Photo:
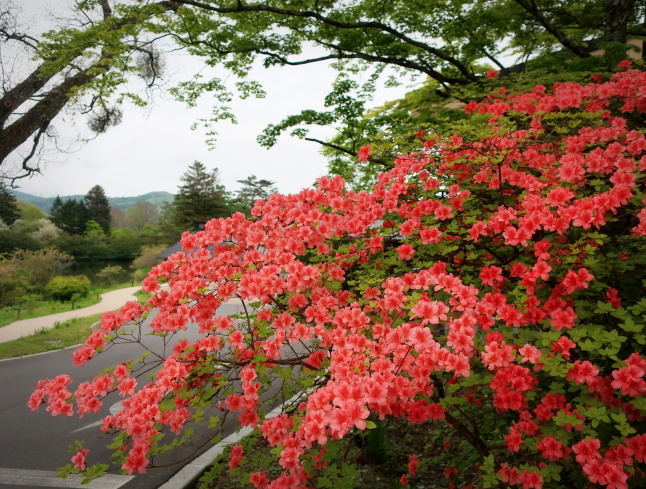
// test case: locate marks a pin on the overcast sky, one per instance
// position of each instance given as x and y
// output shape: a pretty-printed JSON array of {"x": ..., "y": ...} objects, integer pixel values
[{"x": 153, "y": 146}]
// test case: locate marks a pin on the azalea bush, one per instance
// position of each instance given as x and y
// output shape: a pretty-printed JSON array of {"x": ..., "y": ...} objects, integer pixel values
[{"x": 491, "y": 283}]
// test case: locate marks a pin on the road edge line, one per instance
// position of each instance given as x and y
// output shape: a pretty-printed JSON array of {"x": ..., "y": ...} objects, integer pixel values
[{"x": 189, "y": 475}]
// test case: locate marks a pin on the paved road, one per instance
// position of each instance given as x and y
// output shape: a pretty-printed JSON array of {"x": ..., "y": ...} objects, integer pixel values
[{"x": 33, "y": 445}]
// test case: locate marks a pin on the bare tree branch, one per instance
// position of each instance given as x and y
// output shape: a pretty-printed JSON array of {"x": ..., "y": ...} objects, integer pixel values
[
  {"x": 30, "y": 170},
  {"x": 32, "y": 42},
  {"x": 42, "y": 113},
  {"x": 493, "y": 59},
  {"x": 331, "y": 145}
]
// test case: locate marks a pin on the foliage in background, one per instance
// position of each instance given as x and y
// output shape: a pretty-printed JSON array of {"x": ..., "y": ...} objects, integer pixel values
[
  {"x": 140, "y": 215},
  {"x": 113, "y": 274},
  {"x": 30, "y": 212},
  {"x": 41, "y": 265},
  {"x": 252, "y": 189},
  {"x": 147, "y": 258},
  {"x": 70, "y": 215},
  {"x": 12, "y": 241},
  {"x": 15, "y": 284},
  {"x": 24, "y": 274}
]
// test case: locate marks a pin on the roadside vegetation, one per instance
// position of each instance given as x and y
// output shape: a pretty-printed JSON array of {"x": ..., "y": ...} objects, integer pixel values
[
  {"x": 38, "y": 308},
  {"x": 80, "y": 249},
  {"x": 62, "y": 335}
]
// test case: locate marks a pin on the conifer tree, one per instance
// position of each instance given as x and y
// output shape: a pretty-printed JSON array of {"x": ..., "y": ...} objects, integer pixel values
[
  {"x": 9, "y": 211},
  {"x": 199, "y": 198},
  {"x": 98, "y": 207},
  {"x": 253, "y": 189},
  {"x": 70, "y": 215}
]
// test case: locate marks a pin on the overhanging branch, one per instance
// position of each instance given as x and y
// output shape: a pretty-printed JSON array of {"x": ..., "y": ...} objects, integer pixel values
[
  {"x": 331, "y": 145},
  {"x": 532, "y": 9},
  {"x": 240, "y": 8}
]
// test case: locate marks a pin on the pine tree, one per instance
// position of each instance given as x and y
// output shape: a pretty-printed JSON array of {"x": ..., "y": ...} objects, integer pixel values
[
  {"x": 9, "y": 211},
  {"x": 98, "y": 207},
  {"x": 56, "y": 206},
  {"x": 70, "y": 215},
  {"x": 56, "y": 214},
  {"x": 252, "y": 190},
  {"x": 200, "y": 198}
]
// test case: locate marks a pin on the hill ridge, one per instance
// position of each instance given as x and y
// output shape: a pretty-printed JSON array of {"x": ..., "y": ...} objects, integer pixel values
[{"x": 156, "y": 198}]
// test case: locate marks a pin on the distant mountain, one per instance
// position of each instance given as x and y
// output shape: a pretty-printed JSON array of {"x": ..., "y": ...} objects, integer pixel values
[
  {"x": 155, "y": 198},
  {"x": 45, "y": 203}
]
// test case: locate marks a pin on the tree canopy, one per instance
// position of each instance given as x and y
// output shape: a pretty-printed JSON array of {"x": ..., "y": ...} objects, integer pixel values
[{"x": 88, "y": 60}]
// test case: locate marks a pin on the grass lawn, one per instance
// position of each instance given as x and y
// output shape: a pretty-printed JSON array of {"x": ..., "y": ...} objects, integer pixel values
[
  {"x": 69, "y": 333},
  {"x": 36, "y": 309},
  {"x": 142, "y": 297}
]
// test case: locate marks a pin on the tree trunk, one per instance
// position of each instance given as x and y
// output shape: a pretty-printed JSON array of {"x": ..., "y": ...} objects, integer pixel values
[
  {"x": 15, "y": 97},
  {"x": 616, "y": 19},
  {"x": 41, "y": 114}
]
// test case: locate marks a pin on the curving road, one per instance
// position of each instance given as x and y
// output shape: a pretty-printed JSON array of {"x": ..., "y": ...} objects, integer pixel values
[{"x": 33, "y": 445}]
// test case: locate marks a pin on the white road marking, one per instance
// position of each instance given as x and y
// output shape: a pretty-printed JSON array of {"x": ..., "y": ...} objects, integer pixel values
[
  {"x": 193, "y": 470},
  {"x": 49, "y": 478},
  {"x": 114, "y": 409}
]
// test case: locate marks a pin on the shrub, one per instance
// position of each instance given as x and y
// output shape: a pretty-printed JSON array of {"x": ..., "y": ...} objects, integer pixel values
[
  {"x": 41, "y": 265},
  {"x": 15, "y": 284},
  {"x": 12, "y": 241},
  {"x": 492, "y": 285},
  {"x": 68, "y": 288},
  {"x": 148, "y": 256},
  {"x": 112, "y": 274},
  {"x": 140, "y": 274}
]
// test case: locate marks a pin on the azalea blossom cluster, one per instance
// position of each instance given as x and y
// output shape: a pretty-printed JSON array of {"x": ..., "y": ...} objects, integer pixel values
[{"x": 494, "y": 275}]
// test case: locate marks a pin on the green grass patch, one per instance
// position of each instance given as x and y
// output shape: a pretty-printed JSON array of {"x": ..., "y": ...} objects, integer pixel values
[
  {"x": 142, "y": 297},
  {"x": 69, "y": 333},
  {"x": 38, "y": 308}
]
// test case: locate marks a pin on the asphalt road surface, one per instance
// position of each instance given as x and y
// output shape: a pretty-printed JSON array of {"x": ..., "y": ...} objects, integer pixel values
[{"x": 34, "y": 444}]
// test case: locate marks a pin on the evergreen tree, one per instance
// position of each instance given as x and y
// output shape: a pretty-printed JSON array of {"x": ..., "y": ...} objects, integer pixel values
[
  {"x": 55, "y": 208},
  {"x": 56, "y": 214},
  {"x": 98, "y": 207},
  {"x": 252, "y": 190},
  {"x": 9, "y": 211},
  {"x": 199, "y": 198},
  {"x": 70, "y": 215}
]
